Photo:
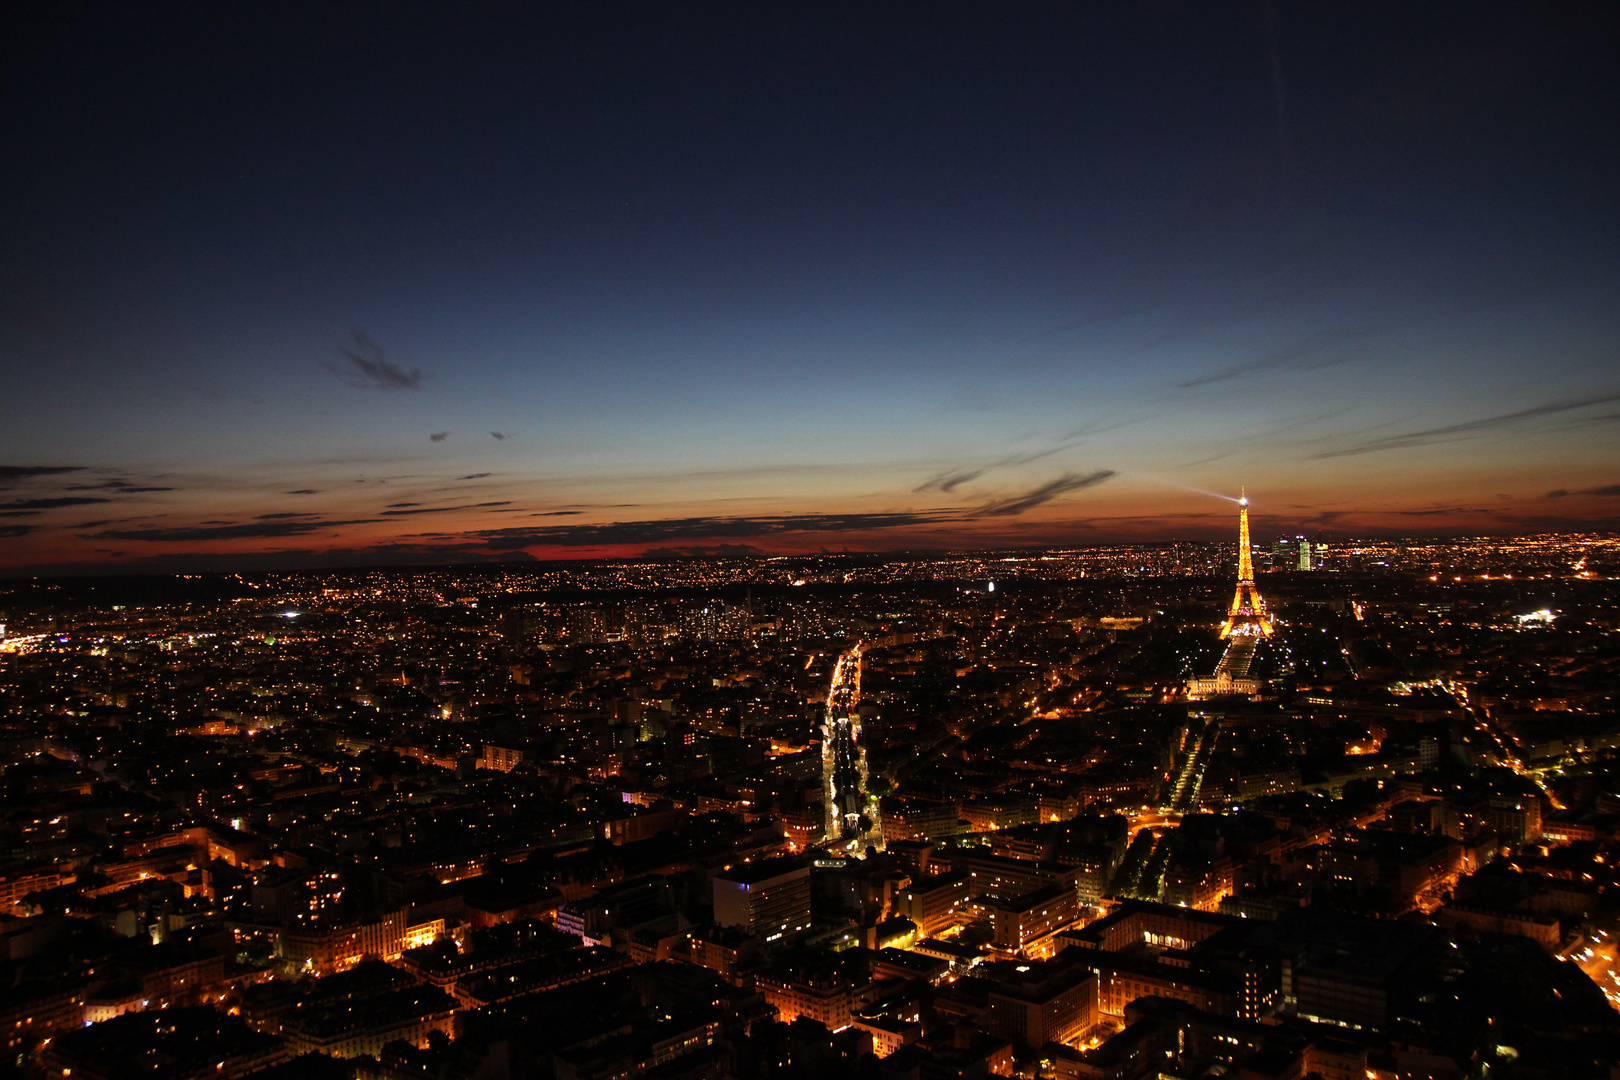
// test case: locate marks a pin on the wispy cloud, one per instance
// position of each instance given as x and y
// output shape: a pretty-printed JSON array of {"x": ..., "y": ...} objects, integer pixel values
[
  {"x": 34, "y": 506},
  {"x": 122, "y": 487},
  {"x": 391, "y": 554},
  {"x": 364, "y": 365},
  {"x": 475, "y": 476},
  {"x": 439, "y": 436},
  {"x": 1606, "y": 491},
  {"x": 497, "y": 435},
  {"x": 1313, "y": 351},
  {"x": 1018, "y": 504},
  {"x": 255, "y": 531},
  {"x": 699, "y": 528},
  {"x": 948, "y": 482},
  {"x": 10, "y": 474},
  {"x": 438, "y": 509},
  {"x": 1205, "y": 460},
  {"x": 1451, "y": 432}
]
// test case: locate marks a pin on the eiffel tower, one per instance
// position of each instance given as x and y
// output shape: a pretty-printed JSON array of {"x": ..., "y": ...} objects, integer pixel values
[{"x": 1248, "y": 617}]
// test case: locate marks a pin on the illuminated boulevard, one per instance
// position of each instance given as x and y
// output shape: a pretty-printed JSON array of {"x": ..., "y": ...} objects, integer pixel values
[{"x": 851, "y": 814}]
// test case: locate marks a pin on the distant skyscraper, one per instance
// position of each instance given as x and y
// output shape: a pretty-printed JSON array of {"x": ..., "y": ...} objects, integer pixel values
[{"x": 1292, "y": 553}]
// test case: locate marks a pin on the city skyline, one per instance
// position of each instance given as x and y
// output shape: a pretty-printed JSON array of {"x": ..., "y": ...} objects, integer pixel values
[
  {"x": 304, "y": 288},
  {"x": 831, "y": 541}
]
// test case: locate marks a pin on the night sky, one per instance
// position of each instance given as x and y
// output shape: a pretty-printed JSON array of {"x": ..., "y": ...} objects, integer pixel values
[{"x": 349, "y": 284}]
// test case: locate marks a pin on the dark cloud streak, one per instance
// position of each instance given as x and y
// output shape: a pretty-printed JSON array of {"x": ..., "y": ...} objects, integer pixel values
[
  {"x": 366, "y": 367},
  {"x": 440, "y": 509},
  {"x": 122, "y": 487},
  {"x": 1469, "y": 427},
  {"x": 950, "y": 481},
  {"x": 1304, "y": 354},
  {"x": 1018, "y": 504},
  {"x": 699, "y": 528},
  {"x": 1606, "y": 491},
  {"x": 50, "y": 504},
  {"x": 259, "y": 531},
  {"x": 27, "y": 472}
]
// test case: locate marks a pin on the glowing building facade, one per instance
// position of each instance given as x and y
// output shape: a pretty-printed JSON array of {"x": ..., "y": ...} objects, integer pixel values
[
  {"x": 1247, "y": 624},
  {"x": 1248, "y": 616}
]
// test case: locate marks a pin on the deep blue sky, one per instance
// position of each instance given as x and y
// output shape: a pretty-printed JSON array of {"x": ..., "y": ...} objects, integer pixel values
[{"x": 792, "y": 275}]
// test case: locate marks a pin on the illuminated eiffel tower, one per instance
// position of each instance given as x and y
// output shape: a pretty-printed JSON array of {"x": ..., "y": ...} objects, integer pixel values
[{"x": 1248, "y": 617}]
